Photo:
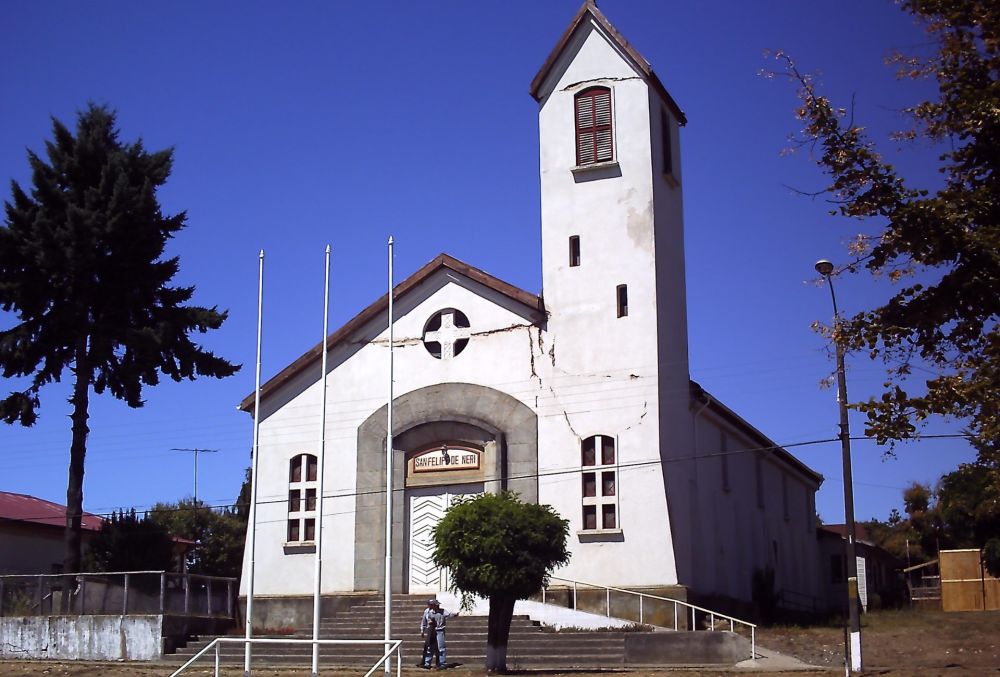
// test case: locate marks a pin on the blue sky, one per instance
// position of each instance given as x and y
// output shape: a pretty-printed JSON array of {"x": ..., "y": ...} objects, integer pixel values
[{"x": 296, "y": 125}]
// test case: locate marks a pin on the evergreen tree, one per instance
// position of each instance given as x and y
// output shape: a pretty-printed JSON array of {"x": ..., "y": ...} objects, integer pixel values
[
  {"x": 127, "y": 542},
  {"x": 82, "y": 268},
  {"x": 218, "y": 535},
  {"x": 500, "y": 548}
]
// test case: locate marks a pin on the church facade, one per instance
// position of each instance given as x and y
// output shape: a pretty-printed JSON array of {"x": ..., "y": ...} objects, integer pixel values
[{"x": 580, "y": 399}]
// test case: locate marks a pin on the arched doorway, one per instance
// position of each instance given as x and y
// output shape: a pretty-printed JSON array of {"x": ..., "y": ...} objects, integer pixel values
[{"x": 462, "y": 418}]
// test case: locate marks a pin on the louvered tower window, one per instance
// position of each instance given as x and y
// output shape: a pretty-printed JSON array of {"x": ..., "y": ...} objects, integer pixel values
[{"x": 593, "y": 126}]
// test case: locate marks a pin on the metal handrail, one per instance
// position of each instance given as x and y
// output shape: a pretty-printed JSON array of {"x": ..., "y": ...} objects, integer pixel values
[
  {"x": 392, "y": 647},
  {"x": 193, "y": 585},
  {"x": 642, "y": 595}
]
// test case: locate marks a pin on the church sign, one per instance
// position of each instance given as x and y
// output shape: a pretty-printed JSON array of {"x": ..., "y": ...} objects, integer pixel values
[{"x": 446, "y": 459}]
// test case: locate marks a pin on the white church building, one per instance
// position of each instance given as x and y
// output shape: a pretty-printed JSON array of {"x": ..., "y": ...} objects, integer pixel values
[{"x": 579, "y": 398}]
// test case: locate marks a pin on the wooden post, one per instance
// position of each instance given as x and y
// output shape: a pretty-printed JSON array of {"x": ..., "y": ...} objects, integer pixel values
[
  {"x": 163, "y": 592},
  {"x": 125, "y": 598},
  {"x": 209, "y": 598},
  {"x": 229, "y": 598},
  {"x": 187, "y": 592},
  {"x": 38, "y": 594},
  {"x": 83, "y": 595}
]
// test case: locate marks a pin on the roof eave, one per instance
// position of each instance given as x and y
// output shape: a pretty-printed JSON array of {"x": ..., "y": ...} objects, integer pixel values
[
  {"x": 381, "y": 305},
  {"x": 589, "y": 8}
]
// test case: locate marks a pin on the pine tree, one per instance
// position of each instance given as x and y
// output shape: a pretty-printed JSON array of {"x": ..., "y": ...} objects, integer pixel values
[{"x": 82, "y": 269}]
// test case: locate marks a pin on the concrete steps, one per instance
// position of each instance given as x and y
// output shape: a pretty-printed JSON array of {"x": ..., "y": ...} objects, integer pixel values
[{"x": 529, "y": 645}]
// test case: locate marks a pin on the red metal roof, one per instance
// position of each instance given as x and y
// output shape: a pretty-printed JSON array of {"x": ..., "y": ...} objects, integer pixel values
[{"x": 24, "y": 508}]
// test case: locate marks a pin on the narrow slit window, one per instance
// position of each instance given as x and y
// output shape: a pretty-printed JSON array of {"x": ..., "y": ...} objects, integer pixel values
[
  {"x": 622, "y": 296},
  {"x": 574, "y": 251},
  {"x": 667, "y": 150}
]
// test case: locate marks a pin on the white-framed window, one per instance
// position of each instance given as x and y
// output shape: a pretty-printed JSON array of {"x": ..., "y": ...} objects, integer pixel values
[
  {"x": 302, "y": 485},
  {"x": 599, "y": 483}
]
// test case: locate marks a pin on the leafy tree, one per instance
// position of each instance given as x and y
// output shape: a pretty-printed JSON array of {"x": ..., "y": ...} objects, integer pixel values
[
  {"x": 127, "y": 542},
  {"x": 500, "y": 548},
  {"x": 218, "y": 534},
  {"x": 82, "y": 267},
  {"x": 948, "y": 236}
]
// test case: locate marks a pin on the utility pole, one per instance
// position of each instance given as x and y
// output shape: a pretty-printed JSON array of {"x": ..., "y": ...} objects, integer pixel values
[{"x": 196, "y": 452}]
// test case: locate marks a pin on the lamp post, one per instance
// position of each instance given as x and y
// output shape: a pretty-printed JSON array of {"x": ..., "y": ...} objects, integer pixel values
[{"x": 825, "y": 268}]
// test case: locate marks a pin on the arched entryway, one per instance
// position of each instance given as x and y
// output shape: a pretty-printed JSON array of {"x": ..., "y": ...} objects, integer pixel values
[{"x": 490, "y": 440}]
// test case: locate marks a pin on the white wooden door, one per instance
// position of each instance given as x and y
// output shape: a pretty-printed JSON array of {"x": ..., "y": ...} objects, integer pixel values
[{"x": 425, "y": 513}]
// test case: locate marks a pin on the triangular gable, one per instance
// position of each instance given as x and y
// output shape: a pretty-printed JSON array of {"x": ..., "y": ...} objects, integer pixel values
[
  {"x": 589, "y": 11},
  {"x": 381, "y": 307}
]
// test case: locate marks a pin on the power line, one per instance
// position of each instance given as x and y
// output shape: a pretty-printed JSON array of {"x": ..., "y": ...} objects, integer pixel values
[{"x": 282, "y": 498}]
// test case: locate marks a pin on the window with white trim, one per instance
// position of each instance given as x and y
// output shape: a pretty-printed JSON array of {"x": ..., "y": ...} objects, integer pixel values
[
  {"x": 302, "y": 486},
  {"x": 594, "y": 137},
  {"x": 599, "y": 479}
]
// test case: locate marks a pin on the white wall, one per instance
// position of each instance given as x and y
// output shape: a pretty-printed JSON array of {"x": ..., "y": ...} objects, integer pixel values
[
  {"x": 498, "y": 356},
  {"x": 736, "y": 534},
  {"x": 604, "y": 377}
]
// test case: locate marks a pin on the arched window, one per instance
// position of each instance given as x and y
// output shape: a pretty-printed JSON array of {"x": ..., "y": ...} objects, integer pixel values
[
  {"x": 302, "y": 498},
  {"x": 599, "y": 475},
  {"x": 594, "y": 138}
]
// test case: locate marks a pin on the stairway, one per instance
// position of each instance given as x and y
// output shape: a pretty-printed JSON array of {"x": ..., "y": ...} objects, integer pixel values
[{"x": 529, "y": 645}]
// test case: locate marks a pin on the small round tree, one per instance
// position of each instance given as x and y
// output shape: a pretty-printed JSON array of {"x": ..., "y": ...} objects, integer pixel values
[{"x": 501, "y": 548}]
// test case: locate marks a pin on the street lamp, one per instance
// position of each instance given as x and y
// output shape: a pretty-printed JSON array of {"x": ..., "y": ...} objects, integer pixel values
[{"x": 825, "y": 268}]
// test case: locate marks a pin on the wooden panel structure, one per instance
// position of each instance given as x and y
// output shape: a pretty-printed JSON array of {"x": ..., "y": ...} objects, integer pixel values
[{"x": 965, "y": 586}]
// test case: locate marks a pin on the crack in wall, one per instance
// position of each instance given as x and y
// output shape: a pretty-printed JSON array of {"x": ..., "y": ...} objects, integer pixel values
[
  {"x": 584, "y": 83},
  {"x": 645, "y": 410},
  {"x": 531, "y": 355},
  {"x": 410, "y": 341}
]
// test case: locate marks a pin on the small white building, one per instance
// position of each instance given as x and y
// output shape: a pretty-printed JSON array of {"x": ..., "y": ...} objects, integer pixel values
[{"x": 579, "y": 398}]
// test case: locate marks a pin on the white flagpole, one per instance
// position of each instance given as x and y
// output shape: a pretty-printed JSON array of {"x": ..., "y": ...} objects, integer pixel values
[
  {"x": 252, "y": 529},
  {"x": 388, "y": 486},
  {"x": 320, "y": 471}
]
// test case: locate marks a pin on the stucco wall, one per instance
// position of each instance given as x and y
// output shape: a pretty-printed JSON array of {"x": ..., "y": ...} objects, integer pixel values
[
  {"x": 499, "y": 357},
  {"x": 134, "y": 638},
  {"x": 740, "y": 532},
  {"x": 602, "y": 375}
]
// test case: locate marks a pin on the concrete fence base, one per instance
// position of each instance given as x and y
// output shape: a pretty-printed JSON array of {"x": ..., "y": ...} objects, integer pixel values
[{"x": 133, "y": 638}]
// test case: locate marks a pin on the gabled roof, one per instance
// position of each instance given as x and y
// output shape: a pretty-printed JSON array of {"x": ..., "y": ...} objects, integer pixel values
[
  {"x": 24, "y": 508},
  {"x": 701, "y": 395},
  {"x": 589, "y": 11},
  {"x": 381, "y": 307}
]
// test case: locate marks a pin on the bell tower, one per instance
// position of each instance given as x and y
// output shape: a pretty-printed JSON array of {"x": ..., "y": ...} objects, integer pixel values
[{"x": 612, "y": 221}]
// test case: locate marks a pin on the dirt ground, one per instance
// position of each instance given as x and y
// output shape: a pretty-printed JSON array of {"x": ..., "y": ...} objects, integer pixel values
[{"x": 898, "y": 644}]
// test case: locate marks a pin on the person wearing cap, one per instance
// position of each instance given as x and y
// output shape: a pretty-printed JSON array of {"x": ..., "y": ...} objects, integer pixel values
[{"x": 440, "y": 616}]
